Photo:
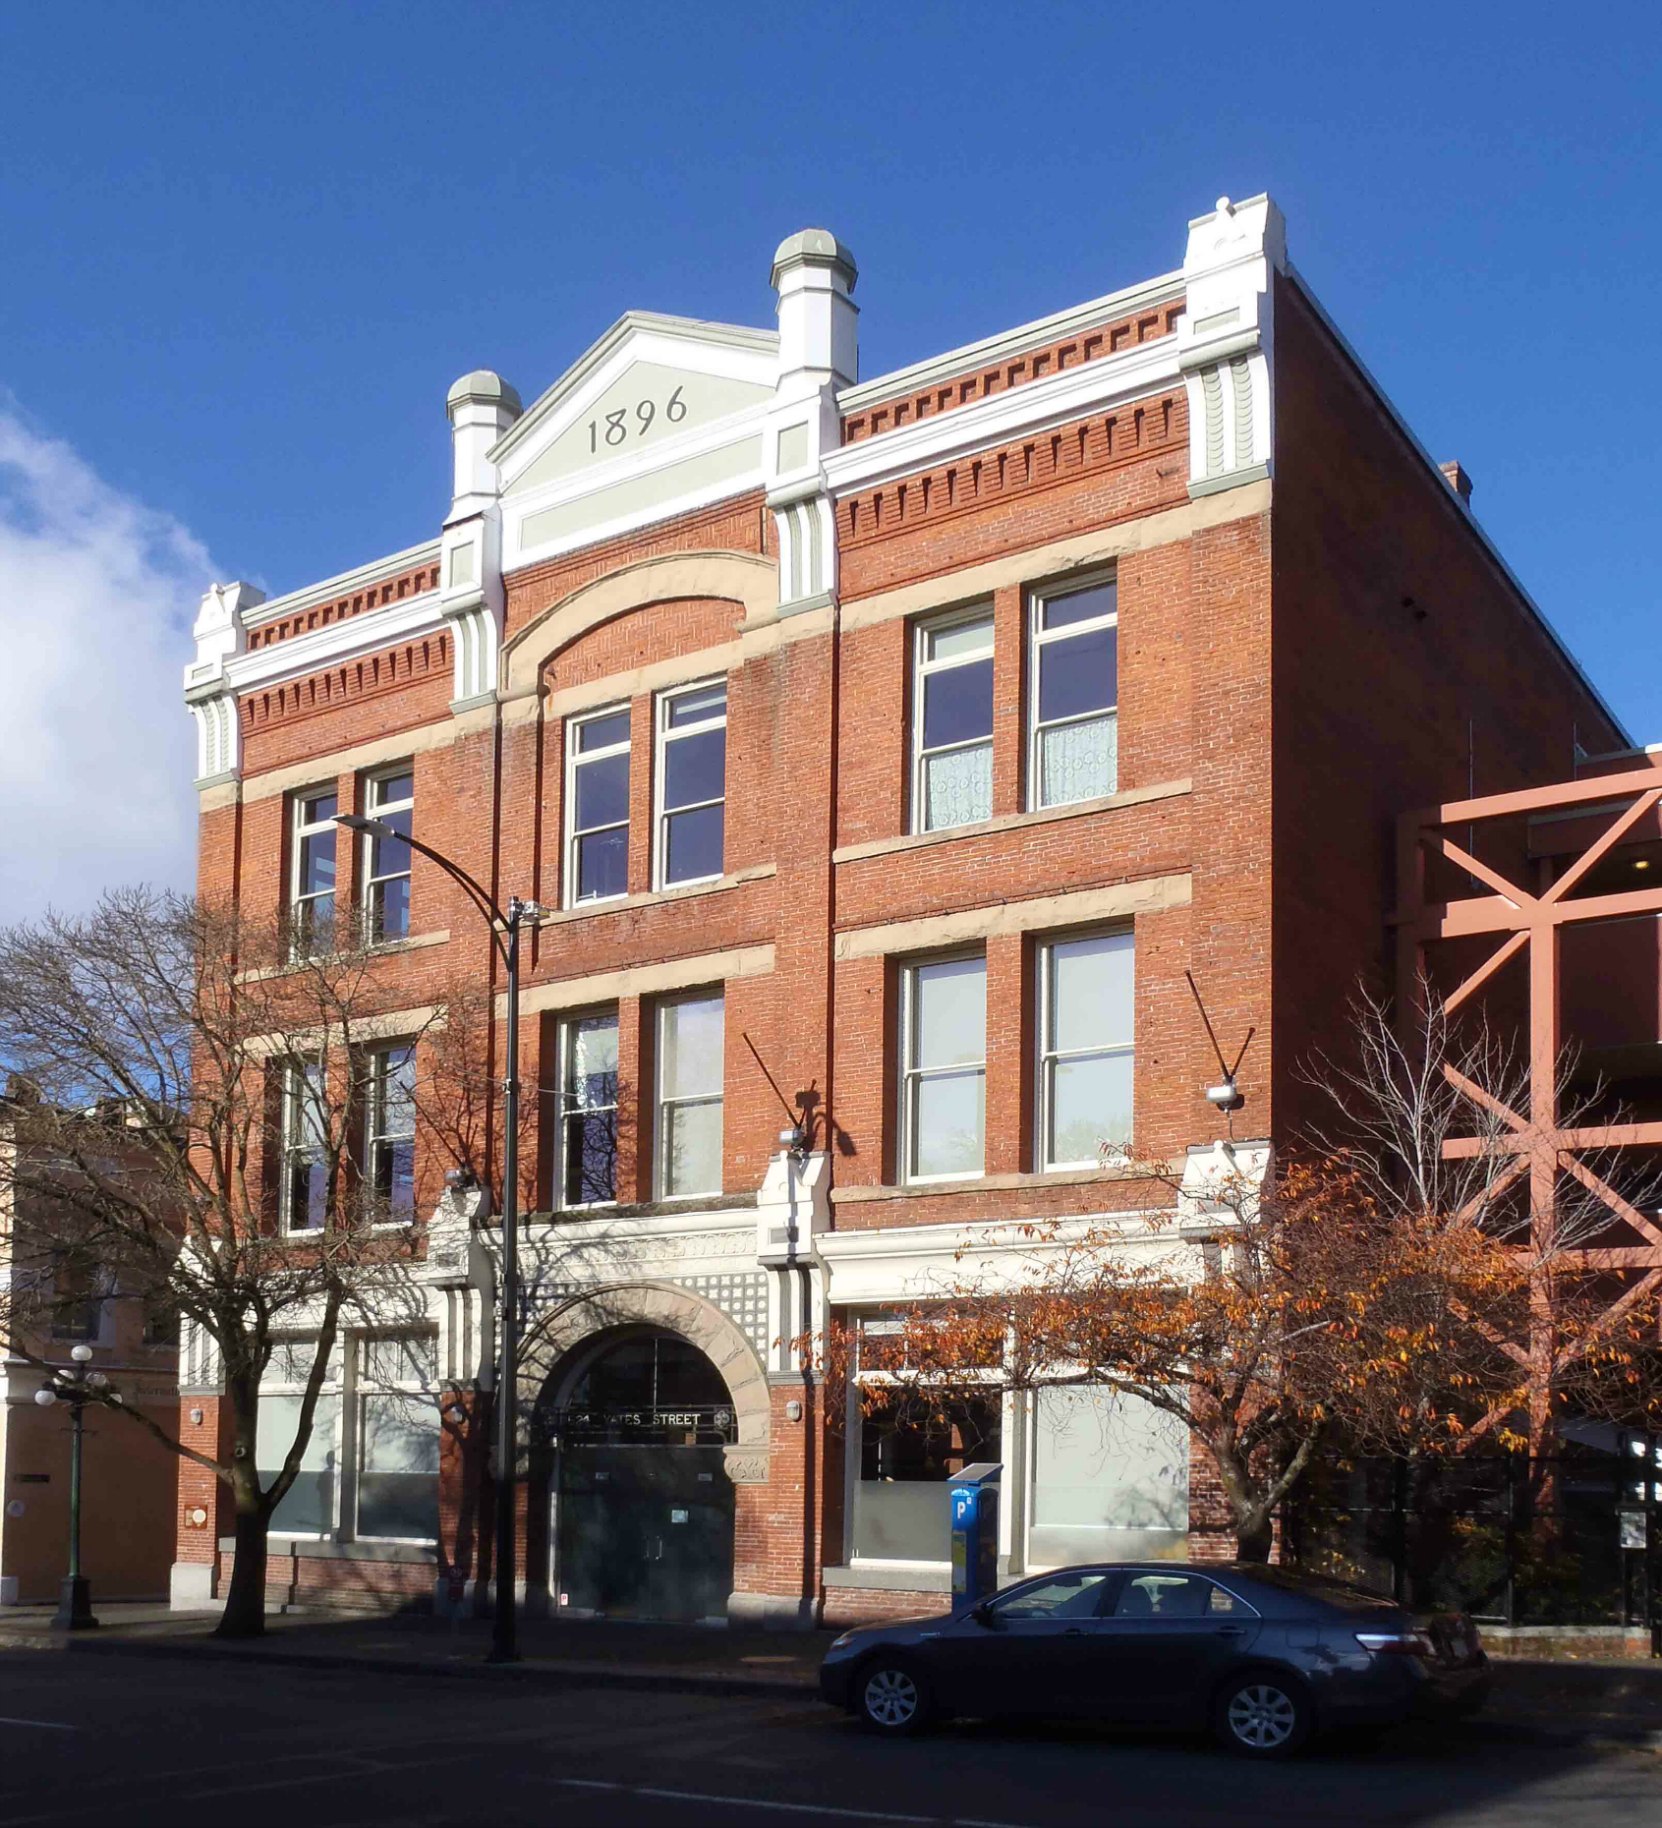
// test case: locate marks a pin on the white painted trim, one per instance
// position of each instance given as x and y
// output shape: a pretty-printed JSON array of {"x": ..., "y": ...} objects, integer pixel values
[
  {"x": 1004, "y": 344},
  {"x": 644, "y": 328},
  {"x": 344, "y": 584},
  {"x": 1034, "y": 407},
  {"x": 320, "y": 648}
]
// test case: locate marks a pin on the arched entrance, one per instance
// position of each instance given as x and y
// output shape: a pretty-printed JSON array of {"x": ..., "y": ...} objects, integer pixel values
[{"x": 638, "y": 1421}]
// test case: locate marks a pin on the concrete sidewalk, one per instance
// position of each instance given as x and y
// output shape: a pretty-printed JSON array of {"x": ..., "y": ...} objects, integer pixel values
[{"x": 1547, "y": 1702}]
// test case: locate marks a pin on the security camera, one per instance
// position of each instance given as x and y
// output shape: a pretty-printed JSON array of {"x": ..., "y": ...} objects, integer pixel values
[{"x": 1225, "y": 1096}]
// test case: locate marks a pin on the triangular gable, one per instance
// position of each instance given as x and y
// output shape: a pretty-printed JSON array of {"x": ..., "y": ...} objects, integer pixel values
[{"x": 660, "y": 413}]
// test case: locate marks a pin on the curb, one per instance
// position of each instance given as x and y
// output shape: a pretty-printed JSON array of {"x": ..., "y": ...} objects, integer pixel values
[
  {"x": 536, "y": 1671},
  {"x": 1569, "y": 1738}
]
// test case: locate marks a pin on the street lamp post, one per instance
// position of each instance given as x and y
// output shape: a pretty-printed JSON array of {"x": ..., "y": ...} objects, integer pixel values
[
  {"x": 504, "y": 928},
  {"x": 77, "y": 1386}
]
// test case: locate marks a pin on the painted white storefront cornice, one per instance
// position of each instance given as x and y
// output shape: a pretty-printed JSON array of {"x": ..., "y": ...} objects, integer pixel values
[
  {"x": 1037, "y": 406},
  {"x": 362, "y": 634},
  {"x": 992, "y": 350},
  {"x": 345, "y": 584}
]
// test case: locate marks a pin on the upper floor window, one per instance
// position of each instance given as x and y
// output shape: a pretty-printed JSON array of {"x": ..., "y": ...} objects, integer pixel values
[
  {"x": 597, "y": 806},
  {"x": 389, "y": 1134},
  {"x": 303, "y": 1189},
  {"x": 1073, "y": 717},
  {"x": 588, "y": 1110},
  {"x": 691, "y": 1039},
  {"x": 944, "y": 1068},
  {"x": 952, "y": 722},
  {"x": 1085, "y": 1049},
  {"x": 78, "y": 1306},
  {"x": 312, "y": 883},
  {"x": 390, "y": 799},
  {"x": 692, "y": 783}
]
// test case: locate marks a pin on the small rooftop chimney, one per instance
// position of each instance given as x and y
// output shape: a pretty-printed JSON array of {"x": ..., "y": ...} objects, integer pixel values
[{"x": 1458, "y": 481}]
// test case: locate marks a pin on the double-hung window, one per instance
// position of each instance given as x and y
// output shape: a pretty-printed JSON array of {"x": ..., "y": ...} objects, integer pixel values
[
  {"x": 692, "y": 783},
  {"x": 597, "y": 806},
  {"x": 691, "y": 1035},
  {"x": 1085, "y": 1052},
  {"x": 952, "y": 722},
  {"x": 389, "y": 1134},
  {"x": 588, "y": 1110},
  {"x": 944, "y": 1068},
  {"x": 303, "y": 1190},
  {"x": 312, "y": 879},
  {"x": 1073, "y": 714},
  {"x": 396, "y": 1464},
  {"x": 390, "y": 800}
]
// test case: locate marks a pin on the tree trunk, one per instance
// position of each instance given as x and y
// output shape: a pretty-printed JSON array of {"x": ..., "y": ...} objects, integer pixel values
[
  {"x": 1254, "y": 1538},
  {"x": 244, "y": 1614}
]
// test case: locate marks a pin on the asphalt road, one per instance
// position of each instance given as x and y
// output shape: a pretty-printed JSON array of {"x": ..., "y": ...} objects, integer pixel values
[{"x": 118, "y": 1740}]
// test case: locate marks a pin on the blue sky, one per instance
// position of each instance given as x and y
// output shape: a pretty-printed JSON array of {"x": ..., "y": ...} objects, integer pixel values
[{"x": 248, "y": 249}]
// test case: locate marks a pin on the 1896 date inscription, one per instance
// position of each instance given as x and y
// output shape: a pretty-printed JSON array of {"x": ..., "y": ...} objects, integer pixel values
[{"x": 618, "y": 427}]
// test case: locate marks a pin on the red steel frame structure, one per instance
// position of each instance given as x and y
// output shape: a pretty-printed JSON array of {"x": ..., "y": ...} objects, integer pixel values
[{"x": 1616, "y": 810}]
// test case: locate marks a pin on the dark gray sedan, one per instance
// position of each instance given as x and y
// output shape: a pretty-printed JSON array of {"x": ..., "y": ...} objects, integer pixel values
[{"x": 1263, "y": 1655}]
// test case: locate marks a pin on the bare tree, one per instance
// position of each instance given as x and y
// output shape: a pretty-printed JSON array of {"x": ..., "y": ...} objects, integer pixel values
[{"x": 192, "y": 1126}]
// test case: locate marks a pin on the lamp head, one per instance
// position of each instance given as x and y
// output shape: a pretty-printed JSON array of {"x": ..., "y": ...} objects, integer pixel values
[
  {"x": 355, "y": 821},
  {"x": 82, "y": 1355},
  {"x": 1225, "y": 1095},
  {"x": 46, "y": 1396}
]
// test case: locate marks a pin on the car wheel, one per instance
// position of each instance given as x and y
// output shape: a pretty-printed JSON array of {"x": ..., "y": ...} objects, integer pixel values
[
  {"x": 892, "y": 1698},
  {"x": 1262, "y": 1715}
]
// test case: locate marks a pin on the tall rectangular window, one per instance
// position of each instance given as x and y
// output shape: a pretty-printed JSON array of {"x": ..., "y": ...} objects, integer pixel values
[
  {"x": 692, "y": 783},
  {"x": 303, "y": 1191},
  {"x": 308, "y": 1507},
  {"x": 1074, "y": 712},
  {"x": 597, "y": 806},
  {"x": 389, "y": 1134},
  {"x": 952, "y": 722},
  {"x": 389, "y": 799},
  {"x": 691, "y": 1035},
  {"x": 588, "y": 1110},
  {"x": 1086, "y": 1030},
  {"x": 944, "y": 1068},
  {"x": 312, "y": 879},
  {"x": 397, "y": 1460}
]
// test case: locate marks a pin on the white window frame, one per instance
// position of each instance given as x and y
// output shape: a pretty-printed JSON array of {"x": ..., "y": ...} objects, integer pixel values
[
  {"x": 912, "y": 1075},
  {"x": 574, "y": 761},
  {"x": 301, "y": 829},
  {"x": 662, "y": 1106},
  {"x": 1038, "y": 638},
  {"x": 375, "y": 1134},
  {"x": 566, "y": 1040},
  {"x": 662, "y": 737},
  {"x": 377, "y": 808},
  {"x": 364, "y": 1388},
  {"x": 291, "y": 1144},
  {"x": 922, "y": 668},
  {"x": 333, "y": 1386},
  {"x": 1049, "y": 1055}
]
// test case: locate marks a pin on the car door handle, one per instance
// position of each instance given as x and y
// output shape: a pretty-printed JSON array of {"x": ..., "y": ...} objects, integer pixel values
[
  {"x": 1232, "y": 1631},
  {"x": 1074, "y": 1631}
]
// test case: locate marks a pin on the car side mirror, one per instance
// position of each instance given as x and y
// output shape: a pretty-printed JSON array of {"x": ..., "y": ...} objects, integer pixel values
[{"x": 984, "y": 1615}]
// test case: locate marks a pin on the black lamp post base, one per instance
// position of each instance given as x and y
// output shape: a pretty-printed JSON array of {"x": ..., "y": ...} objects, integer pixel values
[{"x": 74, "y": 1611}]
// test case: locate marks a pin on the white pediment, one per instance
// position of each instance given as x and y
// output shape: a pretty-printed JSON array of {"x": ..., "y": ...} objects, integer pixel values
[{"x": 662, "y": 413}]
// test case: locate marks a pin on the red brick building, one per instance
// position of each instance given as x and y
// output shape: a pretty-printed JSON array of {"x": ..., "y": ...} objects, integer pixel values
[{"x": 884, "y": 751}]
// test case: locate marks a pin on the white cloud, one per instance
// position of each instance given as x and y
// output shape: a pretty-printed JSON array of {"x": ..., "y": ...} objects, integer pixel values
[{"x": 97, "y": 596}]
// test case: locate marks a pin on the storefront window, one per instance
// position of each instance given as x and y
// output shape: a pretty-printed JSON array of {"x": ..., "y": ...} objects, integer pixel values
[
  {"x": 909, "y": 1453},
  {"x": 1110, "y": 1478}
]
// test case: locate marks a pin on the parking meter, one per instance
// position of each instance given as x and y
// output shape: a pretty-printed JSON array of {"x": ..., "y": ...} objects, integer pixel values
[{"x": 975, "y": 1534}]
